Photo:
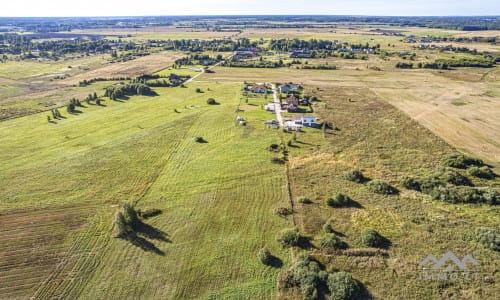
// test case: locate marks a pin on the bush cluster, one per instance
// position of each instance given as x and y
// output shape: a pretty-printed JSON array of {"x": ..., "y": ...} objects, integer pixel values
[
  {"x": 464, "y": 194},
  {"x": 308, "y": 276},
  {"x": 482, "y": 172},
  {"x": 340, "y": 200},
  {"x": 489, "y": 237},
  {"x": 331, "y": 241},
  {"x": 461, "y": 161},
  {"x": 355, "y": 175},
  {"x": 380, "y": 187},
  {"x": 288, "y": 237}
]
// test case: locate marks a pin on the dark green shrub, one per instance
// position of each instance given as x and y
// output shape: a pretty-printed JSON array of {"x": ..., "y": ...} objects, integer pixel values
[
  {"x": 461, "y": 161},
  {"x": 288, "y": 237},
  {"x": 380, "y": 187},
  {"x": 274, "y": 147},
  {"x": 198, "y": 90},
  {"x": 482, "y": 172},
  {"x": 371, "y": 238},
  {"x": 454, "y": 178},
  {"x": 331, "y": 241},
  {"x": 342, "y": 286},
  {"x": 304, "y": 200},
  {"x": 211, "y": 101},
  {"x": 411, "y": 183},
  {"x": 340, "y": 200},
  {"x": 355, "y": 175},
  {"x": 265, "y": 256},
  {"x": 489, "y": 237},
  {"x": 200, "y": 140}
]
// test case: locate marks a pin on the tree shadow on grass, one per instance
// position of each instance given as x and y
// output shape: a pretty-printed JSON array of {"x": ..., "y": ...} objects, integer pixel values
[
  {"x": 144, "y": 244},
  {"x": 142, "y": 232},
  {"x": 150, "y": 232},
  {"x": 305, "y": 243},
  {"x": 275, "y": 262},
  {"x": 354, "y": 204}
]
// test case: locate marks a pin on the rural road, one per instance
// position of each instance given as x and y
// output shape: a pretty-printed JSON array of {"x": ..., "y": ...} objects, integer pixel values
[
  {"x": 203, "y": 71},
  {"x": 277, "y": 106}
]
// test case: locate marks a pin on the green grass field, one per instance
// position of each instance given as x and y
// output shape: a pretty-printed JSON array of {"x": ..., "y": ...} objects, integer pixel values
[{"x": 217, "y": 209}]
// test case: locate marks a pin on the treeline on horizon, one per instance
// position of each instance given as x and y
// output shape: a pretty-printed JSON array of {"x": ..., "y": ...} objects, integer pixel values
[{"x": 58, "y": 24}]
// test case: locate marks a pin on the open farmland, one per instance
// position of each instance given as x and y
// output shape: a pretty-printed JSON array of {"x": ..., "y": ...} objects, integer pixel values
[
  {"x": 75, "y": 165},
  {"x": 466, "y": 118}
]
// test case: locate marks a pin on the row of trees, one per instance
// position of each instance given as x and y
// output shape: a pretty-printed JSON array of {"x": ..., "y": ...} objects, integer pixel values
[{"x": 119, "y": 91}]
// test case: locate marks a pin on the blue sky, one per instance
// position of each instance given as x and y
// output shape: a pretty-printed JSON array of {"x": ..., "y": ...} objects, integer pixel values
[{"x": 13, "y": 8}]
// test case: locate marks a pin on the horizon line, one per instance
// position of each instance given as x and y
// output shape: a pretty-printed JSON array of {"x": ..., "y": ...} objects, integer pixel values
[{"x": 247, "y": 15}]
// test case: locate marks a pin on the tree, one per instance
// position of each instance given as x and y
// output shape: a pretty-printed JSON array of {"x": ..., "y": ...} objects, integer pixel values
[
  {"x": 94, "y": 96},
  {"x": 288, "y": 237},
  {"x": 70, "y": 108},
  {"x": 342, "y": 286},
  {"x": 371, "y": 238},
  {"x": 265, "y": 256},
  {"x": 48, "y": 119},
  {"x": 121, "y": 228},
  {"x": 130, "y": 214}
]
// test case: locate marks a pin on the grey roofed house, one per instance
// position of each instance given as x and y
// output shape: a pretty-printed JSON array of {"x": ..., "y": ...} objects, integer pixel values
[
  {"x": 285, "y": 88},
  {"x": 258, "y": 88}
]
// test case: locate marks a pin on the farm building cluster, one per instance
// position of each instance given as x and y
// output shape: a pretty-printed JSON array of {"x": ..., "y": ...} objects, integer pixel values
[{"x": 289, "y": 99}]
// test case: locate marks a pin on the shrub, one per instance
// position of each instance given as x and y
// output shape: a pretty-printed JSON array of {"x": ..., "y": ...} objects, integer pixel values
[
  {"x": 411, "y": 183},
  {"x": 211, "y": 101},
  {"x": 461, "y": 161},
  {"x": 304, "y": 200},
  {"x": 482, "y": 172},
  {"x": 200, "y": 140},
  {"x": 198, "y": 90},
  {"x": 463, "y": 194},
  {"x": 327, "y": 228},
  {"x": 288, "y": 237},
  {"x": 355, "y": 175},
  {"x": 489, "y": 237},
  {"x": 274, "y": 147},
  {"x": 331, "y": 241},
  {"x": 454, "y": 178},
  {"x": 265, "y": 256},
  {"x": 380, "y": 187},
  {"x": 283, "y": 211},
  {"x": 340, "y": 200},
  {"x": 371, "y": 238},
  {"x": 342, "y": 286},
  {"x": 277, "y": 160}
]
